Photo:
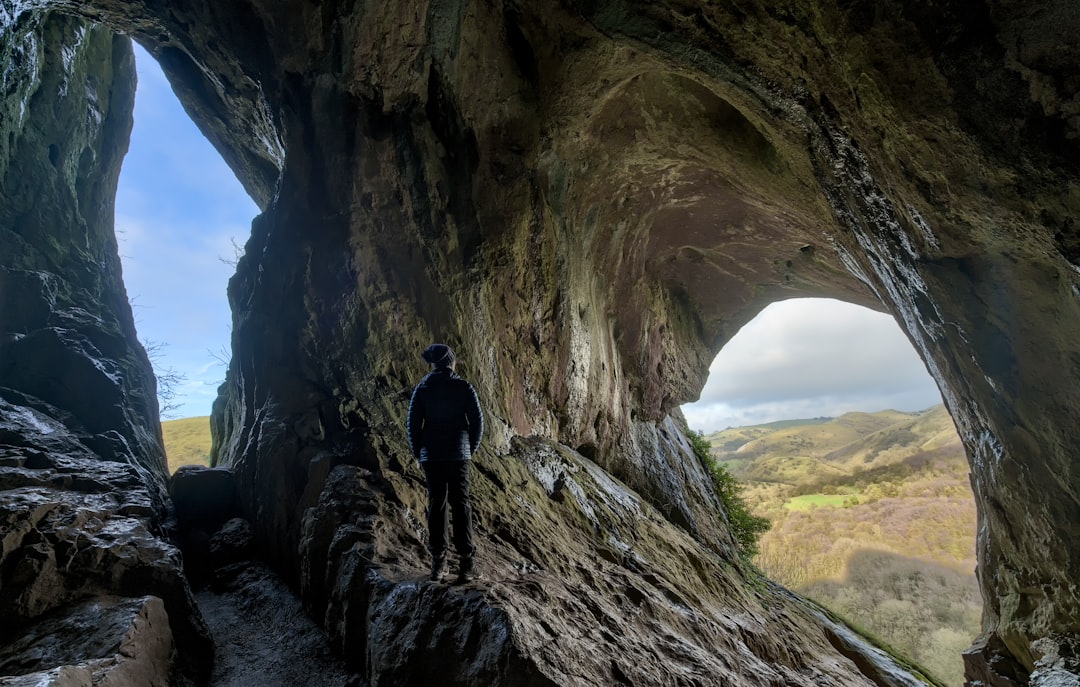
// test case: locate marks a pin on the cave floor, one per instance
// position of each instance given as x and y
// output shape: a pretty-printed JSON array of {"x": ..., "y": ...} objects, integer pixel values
[{"x": 263, "y": 637}]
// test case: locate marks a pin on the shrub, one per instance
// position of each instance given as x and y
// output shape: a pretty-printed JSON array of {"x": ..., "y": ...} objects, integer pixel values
[{"x": 745, "y": 526}]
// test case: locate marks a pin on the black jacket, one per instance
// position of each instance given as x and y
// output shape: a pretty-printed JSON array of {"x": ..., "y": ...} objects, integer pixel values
[{"x": 445, "y": 422}]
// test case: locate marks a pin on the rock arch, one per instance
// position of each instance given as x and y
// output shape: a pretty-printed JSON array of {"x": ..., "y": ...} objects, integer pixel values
[{"x": 549, "y": 190}]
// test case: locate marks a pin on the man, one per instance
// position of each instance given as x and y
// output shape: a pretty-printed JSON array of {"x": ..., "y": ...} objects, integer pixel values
[{"x": 445, "y": 427}]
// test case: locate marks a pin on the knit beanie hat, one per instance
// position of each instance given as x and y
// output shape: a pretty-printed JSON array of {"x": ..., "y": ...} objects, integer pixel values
[{"x": 439, "y": 355}]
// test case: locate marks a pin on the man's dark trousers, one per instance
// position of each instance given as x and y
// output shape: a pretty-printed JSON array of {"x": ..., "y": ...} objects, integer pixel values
[{"x": 449, "y": 478}]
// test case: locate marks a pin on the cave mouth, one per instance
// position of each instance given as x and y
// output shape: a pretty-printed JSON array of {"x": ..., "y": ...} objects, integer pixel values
[
  {"x": 812, "y": 357},
  {"x": 182, "y": 218},
  {"x": 826, "y": 414}
]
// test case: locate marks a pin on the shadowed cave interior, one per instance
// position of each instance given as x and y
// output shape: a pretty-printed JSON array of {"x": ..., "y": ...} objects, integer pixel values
[{"x": 586, "y": 201}]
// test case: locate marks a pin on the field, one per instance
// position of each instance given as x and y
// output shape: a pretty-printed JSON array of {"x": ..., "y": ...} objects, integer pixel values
[
  {"x": 810, "y": 501},
  {"x": 187, "y": 441},
  {"x": 872, "y": 516}
]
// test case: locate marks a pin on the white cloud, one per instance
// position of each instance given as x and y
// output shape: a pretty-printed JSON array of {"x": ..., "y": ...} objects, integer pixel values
[{"x": 808, "y": 358}]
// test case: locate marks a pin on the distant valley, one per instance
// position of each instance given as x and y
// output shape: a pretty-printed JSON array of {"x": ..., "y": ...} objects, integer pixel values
[{"x": 873, "y": 517}]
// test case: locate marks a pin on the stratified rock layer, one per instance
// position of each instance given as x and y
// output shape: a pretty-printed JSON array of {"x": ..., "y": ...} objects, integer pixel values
[{"x": 587, "y": 200}]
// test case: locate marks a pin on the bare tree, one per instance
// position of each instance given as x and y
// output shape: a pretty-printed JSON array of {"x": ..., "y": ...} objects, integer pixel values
[
  {"x": 238, "y": 250},
  {"x": 168, "y": 381}
]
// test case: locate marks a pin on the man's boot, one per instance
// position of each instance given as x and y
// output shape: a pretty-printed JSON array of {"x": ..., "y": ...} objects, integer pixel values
[
  {"x": 438, "y": 568},
  {"x": 468, "y": 571}
]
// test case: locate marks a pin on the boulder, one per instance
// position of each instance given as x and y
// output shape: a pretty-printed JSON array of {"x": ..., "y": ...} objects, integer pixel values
[
  {"x": 233, "y": 543},
  {"x": 203, "y": 498},
  {"x": 105, "y": 642}
]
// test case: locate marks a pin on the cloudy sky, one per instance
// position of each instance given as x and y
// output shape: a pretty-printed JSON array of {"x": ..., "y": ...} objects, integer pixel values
[
  {"x": 180, "y": 210},
  {"x": 811, "y": 357}
]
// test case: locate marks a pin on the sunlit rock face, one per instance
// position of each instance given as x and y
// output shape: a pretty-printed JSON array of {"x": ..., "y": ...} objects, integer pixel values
[{"x": 587, "y": 201}]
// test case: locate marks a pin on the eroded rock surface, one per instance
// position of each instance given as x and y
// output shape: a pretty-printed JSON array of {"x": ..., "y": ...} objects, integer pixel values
[
  {"x": 128, "y": 642},
  {"x": 83, "y": 507},
  {"x": 587, "y": 200},
  {"x": 73, "y": 529},
  {"x": 585, "y": 584}
]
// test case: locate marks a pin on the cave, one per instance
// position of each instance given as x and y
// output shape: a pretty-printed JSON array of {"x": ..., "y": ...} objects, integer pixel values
[{"x": 586, "y": 200}]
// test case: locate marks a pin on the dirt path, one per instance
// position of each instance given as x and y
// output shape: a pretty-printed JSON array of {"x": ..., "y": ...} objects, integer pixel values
[{"x": 263, "y": 637}]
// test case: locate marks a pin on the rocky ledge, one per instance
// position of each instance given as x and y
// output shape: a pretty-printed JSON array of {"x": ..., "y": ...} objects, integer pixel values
[
  {"x": 585, "y": 584},
  {"x": 88, "y": 582}
]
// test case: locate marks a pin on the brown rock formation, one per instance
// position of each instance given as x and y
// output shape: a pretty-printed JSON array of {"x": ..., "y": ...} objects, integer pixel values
[{"x": 587, "y": 200}]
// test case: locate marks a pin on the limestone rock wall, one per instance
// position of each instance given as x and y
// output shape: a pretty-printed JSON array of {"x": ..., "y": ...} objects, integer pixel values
[{"x": 68, "y": 334}]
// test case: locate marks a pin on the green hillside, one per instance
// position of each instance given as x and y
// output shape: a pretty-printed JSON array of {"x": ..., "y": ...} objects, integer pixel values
[
  {"x": 872, "y": 516},
  {"x": 832, "y": 450},
  {"x": 187, "y": 441}
]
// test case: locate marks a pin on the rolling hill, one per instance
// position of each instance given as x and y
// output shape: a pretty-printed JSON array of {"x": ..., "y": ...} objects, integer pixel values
[
  {"x": 187, "y": 441},
  {"x": 841, "y": 450},
  {"x": 872, "y": 516}
]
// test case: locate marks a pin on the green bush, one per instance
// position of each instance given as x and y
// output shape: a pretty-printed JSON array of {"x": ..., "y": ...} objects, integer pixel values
[{"x": 745, "y": 526}]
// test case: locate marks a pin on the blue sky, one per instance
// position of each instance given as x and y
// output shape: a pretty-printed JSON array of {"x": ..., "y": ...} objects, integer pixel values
[{"x": 180, "y": 210}]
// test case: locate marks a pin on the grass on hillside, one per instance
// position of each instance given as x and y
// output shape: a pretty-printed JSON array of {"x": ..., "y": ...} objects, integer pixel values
[
  {"x": 810, "y": 501},
  {"x": 187, "y": 441},
  {"x": 733, "y": 438},
  {"x": 785, "y": 424}
]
